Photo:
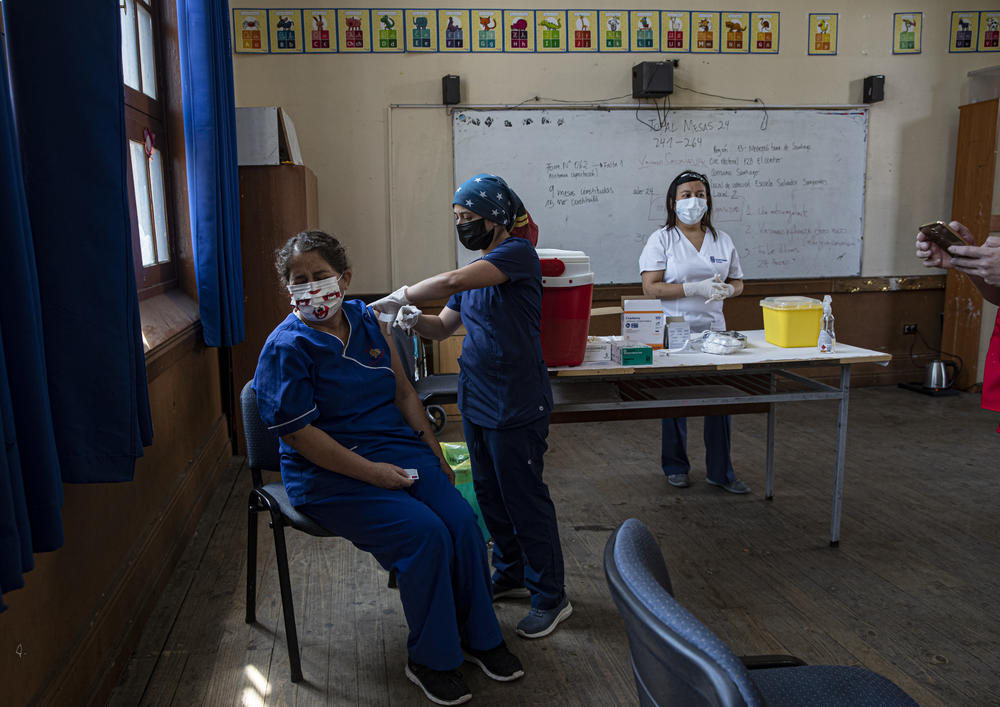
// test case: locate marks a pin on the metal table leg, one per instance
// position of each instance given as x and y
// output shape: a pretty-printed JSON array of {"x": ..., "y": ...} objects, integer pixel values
[
  {"x": 769, "y": 478},
  {"x": 838, "y": 488}
]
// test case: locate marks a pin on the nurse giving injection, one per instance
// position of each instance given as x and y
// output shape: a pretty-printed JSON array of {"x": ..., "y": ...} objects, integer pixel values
[
  {"x": 503, "y": 389},
  {"x": 691, "y": 266}
]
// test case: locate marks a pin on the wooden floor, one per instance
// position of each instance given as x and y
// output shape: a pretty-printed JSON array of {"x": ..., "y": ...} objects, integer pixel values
[{"x": 910, "y": 592}]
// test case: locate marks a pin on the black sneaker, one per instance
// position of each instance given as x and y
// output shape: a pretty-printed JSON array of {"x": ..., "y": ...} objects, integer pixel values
[
  {"x": 443, "y": 687},
  {"x": 503, "y": 590},
  {"x": 498, "y": 663}
]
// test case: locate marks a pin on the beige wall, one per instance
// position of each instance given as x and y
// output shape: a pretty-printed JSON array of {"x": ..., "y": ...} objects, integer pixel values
[{"x": 341, "y": 108}]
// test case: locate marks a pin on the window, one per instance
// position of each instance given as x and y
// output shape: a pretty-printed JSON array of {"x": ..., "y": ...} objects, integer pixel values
[{"x": 149, "y": 190}]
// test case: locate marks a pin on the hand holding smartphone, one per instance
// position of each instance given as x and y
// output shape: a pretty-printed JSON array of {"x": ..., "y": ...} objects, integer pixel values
[{"x": 941, "y": 234}]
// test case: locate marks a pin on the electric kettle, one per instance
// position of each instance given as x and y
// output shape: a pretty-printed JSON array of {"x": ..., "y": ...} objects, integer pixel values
[{"x": 937, "y": 376}]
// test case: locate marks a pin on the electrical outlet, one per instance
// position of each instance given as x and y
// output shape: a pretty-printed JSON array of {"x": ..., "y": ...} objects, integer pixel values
[{"x": 909, "y": 328}]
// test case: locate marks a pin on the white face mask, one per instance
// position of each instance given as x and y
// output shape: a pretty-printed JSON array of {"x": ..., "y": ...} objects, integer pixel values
[
  {"x": 691, "y": 210},
  {"x": 317, "y": 301}
]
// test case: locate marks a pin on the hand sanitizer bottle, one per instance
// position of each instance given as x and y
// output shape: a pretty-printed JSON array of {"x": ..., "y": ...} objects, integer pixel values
[{"x": 827, "y": 339}]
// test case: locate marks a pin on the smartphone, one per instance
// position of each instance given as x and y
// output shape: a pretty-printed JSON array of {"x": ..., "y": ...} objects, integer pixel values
[{"x": 941, "y": 233}]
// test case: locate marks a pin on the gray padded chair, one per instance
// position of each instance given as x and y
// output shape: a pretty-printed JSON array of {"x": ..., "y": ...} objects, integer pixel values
[
  {"x": 434, "y": 390},
  {"x": 677, "y": 660}
]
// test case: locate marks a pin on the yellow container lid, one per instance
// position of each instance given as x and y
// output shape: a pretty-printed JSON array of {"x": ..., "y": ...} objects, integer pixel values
[{"x": 791, "y": 302}]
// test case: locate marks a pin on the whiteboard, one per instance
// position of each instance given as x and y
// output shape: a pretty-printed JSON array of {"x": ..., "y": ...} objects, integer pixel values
[{"x": 787, "y": 185}]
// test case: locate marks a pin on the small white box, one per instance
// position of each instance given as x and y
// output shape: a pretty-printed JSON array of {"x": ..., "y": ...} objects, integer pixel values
[
  {"x": 678, "y": 333},
  {"x": 642, "y": 322},
  {"x": 598, "y": 349}
]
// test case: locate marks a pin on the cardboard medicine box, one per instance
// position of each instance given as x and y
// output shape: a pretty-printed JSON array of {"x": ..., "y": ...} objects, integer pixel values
[
  {"x": 642, "y": 322},
  {"x": 626, "y": 353},
  {"x": 598, "y": 349},
  {"x": 677, "y": 333}
]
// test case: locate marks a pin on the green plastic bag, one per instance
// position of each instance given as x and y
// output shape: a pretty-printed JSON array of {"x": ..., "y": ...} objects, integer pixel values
[{"x": 457, "y": 456}]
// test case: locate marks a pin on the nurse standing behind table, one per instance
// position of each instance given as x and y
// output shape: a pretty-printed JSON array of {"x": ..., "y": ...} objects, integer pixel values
[
  {"x": 691, "y": 266},
  {"x": 503, "y": 389}
]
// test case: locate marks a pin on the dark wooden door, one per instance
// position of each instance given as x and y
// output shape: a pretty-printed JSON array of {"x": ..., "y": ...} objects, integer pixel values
[{"x": 972, "y": 205}]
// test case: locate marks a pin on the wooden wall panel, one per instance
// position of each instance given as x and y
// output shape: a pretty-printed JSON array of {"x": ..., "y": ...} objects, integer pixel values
[{"x": 84, "y": 605}]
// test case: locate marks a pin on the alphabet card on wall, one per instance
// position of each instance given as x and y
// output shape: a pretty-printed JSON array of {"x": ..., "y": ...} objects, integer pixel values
[
  {"x": 964, "y": 31},
  {"x": 285, "y": 30},
  {"x": 584, "y": 30},
  {"x": 320, "y": 37},
  {"x": 421, "y": 31},
  {"x": 354, "y": 28},
  {"x": 519, "y": 29},
  {"x": 457, "y": 37},
  {"x": 989, "y": 31},
  {"x": 389, "y": 29},
  {"x": 764, "y": 27},
  {"x": 907, "y": 28},
  {"x": 614, "y": 31},
  {"x": 823, "y": 33},
  {"x": 706, "y": 32},
  {"x": 488, "y": 31},
  {"x": 644, "y": 28},
  {"x": 676, "y": 26},
  {"x": 551, "y": 29},
  {"x": 249, "y": 35},
  {"x": 735, "y": 26}
]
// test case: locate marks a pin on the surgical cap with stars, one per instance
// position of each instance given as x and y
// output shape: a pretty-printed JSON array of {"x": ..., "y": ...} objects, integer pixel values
[{"x": 489, "y": 196}]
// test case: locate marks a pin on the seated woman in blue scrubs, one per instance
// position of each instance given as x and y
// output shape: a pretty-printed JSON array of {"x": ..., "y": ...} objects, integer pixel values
[
  {"x": 503, "y": 391},
  {"x": 330, "y": 384}
]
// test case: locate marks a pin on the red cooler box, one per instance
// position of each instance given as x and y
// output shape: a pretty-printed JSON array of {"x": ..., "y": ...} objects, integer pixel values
[{"x": 567, "y": 288}]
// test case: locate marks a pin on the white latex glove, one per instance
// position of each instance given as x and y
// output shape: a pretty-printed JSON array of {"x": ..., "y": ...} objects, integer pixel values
[
  {"x": 728, "y": 292},
  {"x": 389, "y": 306},
  {"x": 407, "y": 317},
  {"x": 711, "y": 289}
]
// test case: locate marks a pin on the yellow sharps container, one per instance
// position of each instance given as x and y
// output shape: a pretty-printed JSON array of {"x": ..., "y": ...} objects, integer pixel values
[{"x": 792, "y": 321}]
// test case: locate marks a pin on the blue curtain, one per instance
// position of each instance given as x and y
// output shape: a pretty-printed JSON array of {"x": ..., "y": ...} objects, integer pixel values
[
  {"x": 73, "y": 400},
  {"x": 213, "y": 184}
]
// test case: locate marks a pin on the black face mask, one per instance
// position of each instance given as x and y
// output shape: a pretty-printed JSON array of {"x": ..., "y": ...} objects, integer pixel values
[{"x": 473, "y": 234}]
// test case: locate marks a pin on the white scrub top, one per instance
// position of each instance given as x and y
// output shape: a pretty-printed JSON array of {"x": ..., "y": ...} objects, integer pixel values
[{"x": 670, "y": 251}]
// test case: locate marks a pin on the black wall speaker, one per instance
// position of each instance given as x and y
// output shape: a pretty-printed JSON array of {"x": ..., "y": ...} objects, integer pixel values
[
  {"x": 451, "y": 93},
  {"x": 652, "y": 79},
  {"x": 874, "y": 88}
]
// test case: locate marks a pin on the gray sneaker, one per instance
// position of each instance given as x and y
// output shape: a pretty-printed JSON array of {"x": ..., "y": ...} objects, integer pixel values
[
  {"x": 734, "y": 486},
  {"x": 678, "y": 480},
  {"x": 542, "y": 622}
]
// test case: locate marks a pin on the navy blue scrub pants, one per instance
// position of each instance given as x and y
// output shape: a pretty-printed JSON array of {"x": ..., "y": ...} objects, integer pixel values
[
  {"x": 517, "y": 509},
  {"x": 673, "y": 448},
  {"x": 429, "y": 535}
]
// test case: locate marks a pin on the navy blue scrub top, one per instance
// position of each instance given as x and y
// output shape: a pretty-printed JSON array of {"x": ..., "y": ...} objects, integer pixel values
[
  {"x": 306, "y": 376},
  {"x": 503, "y": 381}
]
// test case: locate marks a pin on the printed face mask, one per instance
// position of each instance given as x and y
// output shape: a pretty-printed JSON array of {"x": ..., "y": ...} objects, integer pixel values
[
  {"x": 691, "y": 210},
  {"x": 473, "y": 234},
  {"x": 317, "y": 301}
]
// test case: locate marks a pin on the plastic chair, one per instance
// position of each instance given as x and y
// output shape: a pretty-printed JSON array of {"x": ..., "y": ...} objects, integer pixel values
[
  {"x": 677, "y": 660},
  {"x": 434, "y": 390}
]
